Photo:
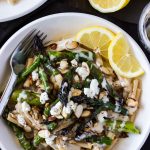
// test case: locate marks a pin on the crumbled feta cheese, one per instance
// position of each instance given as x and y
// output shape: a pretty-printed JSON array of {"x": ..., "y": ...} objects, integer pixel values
[
  {"x": 50, "y": 140},
  {"x": 63, "y": 64},
  {"x": 44, "y": 133},
  {"x": 35, "y": 75},
  {"x": 22, "y": 95},
  {"x": 67, "y": 109},
  {"x": 104, "y": 83},
  {"x": 105, "y": 99},
  {"x": 74, "y": 63},
  {"x": 56, "y": 110},
  {"x": 101, "y": 116},
  {"x": 93, "y": 90},
  {"x": 87, "y": 92},
  {"x": 21, "y": 120},
  {"x": 25, "y": 107},
  {"x": 44, "y": 97},
  {"x": 83, "y": 71},
  {"x": 94, "y": 86}
]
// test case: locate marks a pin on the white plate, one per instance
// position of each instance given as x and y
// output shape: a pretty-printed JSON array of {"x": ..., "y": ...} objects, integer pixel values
[
  {"x": 58, "y": 26},
  {"x": 23, "y": 7}
]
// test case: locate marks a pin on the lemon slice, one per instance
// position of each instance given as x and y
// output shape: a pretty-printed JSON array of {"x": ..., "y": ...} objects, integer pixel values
[
  {"x": 107, "y": 6},
  {"x": 96, "y": 38},
  {"x": 122, "y": 59}
]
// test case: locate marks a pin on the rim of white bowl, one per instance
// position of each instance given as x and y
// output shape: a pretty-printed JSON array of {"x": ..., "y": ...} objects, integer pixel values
[
  {"x": 23, "y": 13},
  {"x": 84, "y": 15}
]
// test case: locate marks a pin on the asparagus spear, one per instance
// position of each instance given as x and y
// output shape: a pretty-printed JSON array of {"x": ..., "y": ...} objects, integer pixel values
[
  {"x": 58, "y": 56},
  {"x": 20, "y": 135},
  {"x": 31, "y": 97},
  {"x": 122, "y": 126},
  {"x": 28, "y": 70},
  {"x": 37, "y": 140},
  {"x": 55, "y": 102},
  {"x": 85, "y": 56},
  {"x": 46, "y": 111},
  {"x": 80, "y": 56},
  {"x": 108, "y": 106},
  {"x": 100, "y": 140},
  {"x": 50, "y": 68},
  {"x": 111, "y": 106},
  {"x": 44, "y": 79}
]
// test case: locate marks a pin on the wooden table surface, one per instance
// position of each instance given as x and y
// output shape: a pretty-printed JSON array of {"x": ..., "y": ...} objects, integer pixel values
[{"x": 127, "y": 19}]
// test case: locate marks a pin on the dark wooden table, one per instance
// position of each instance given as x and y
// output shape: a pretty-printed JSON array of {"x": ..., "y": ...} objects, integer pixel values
[{"x": 127, "y": 19}]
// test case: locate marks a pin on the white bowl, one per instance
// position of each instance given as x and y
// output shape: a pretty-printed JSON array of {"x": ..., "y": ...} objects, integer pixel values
[
  {"x": 23, "y": 7},
  {"x": 58, "y": 26}
]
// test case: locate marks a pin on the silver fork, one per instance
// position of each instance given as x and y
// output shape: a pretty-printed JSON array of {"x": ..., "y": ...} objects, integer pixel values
[{"x": 17, "y": 63}]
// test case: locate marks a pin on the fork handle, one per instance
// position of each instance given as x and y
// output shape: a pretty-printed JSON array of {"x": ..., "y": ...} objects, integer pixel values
[{"x": 7, "y": 92}]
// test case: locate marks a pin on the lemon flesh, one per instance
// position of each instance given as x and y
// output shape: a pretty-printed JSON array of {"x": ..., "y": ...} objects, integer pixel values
[
  {"x": 107, "y": 6},
  {"x": 96, "y": 38},
  {"x": 121, "y": 58}
]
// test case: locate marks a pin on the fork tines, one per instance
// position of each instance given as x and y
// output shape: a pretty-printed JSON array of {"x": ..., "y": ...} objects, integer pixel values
[{"x": 28, "y": 41}]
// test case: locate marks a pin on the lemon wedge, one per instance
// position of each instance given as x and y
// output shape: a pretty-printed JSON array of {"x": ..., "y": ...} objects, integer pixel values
[
  {"x": 96, "y": 38},
  {"x": 106, "y": 6},
  {"x": 122, "y": 59}
]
